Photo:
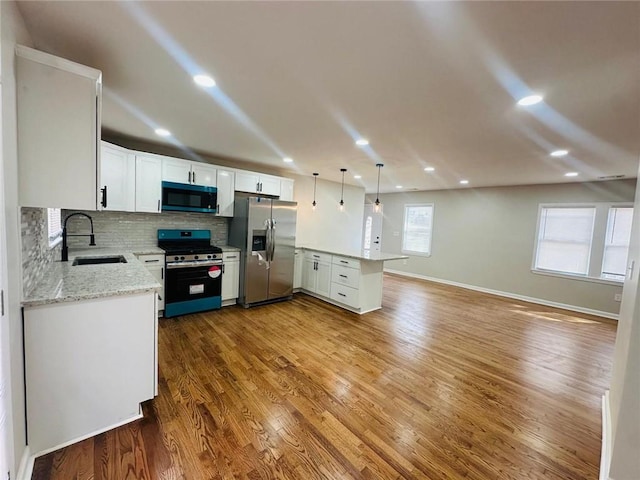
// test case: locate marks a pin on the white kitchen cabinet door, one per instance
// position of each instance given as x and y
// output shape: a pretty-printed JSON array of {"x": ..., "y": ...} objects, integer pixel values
[
  {"x": 203, "y": 174},
  {"x": 309, "y": 275},
  {"x": 286, "y": 189},
  {"x": 148, "y": 184},
  {"x": 58, "y": 125},
  {"x": 323, "y": 283},
  {"x": 269, "y": 185},
  {"x": 230, "y": 280},
  {"x": 155, "y": 264},
  {"x": 297, "y": 269},
  {"x": 117, "y": 179},
  {"x": 226, "y": 192},
  {"x": 88, "y": 366},
  {"x": 176, "y": 170},
  {"x": 247, "y": 182}
]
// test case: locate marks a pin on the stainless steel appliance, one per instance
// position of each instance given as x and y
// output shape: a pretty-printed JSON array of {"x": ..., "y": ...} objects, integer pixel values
[
  {"x": 182, "y": 197},
  {"x": 265, "y": 230},
  {"x": 193, "y": 282}
]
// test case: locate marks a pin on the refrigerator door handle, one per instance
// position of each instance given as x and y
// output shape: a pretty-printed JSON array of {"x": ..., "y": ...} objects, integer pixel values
[{"x": 273, "y": 240}]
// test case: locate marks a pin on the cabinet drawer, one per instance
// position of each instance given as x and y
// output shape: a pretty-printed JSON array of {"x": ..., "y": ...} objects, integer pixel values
[
  {"x": 231, "y": 256},
  {"x": 346, "y": 262},
  {"x": 317, "y": 256},
  {"x": 347, "y": 295},
  {"x": 151, "y": 259},
  {"x": 345, "y": 276}
]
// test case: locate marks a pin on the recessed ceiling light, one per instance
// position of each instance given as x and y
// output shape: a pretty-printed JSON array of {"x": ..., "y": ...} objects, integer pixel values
[
  {"x": 362, "y": 142},
  {"x": 357, "y": 177},
  {"x": 464, "y": 182},
  {"x": 571, "y": 174},
  {"x": 398, "y": 186},
  {"x": 530, "y": 100},
  {"x": 204, "y": 80},
  {"x": 287, "y": 160},
  {"x": 559, "y": 153},
  {"x": 429, "y": 169},
  {"x": 162, "y": 132}
]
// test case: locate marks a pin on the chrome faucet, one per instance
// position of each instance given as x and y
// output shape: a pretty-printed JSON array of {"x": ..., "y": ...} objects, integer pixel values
[{"x": 65, "y": 248}]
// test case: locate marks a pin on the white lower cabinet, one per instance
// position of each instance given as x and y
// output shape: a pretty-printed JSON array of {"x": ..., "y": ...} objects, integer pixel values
[
  {"x": 88, "y": 366},
  {"x": 297, "y": 269},
  {"x": 230, "y": 278},
  {"x": 351, "y": 283},
  {"x": 155, "y": 264},
  {"x": 316, "y": 273}
]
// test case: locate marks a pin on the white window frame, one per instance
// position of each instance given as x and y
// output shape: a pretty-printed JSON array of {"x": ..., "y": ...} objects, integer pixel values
[
  {"x": 597, "y": 242},
  {"x": 404, "y": 222},
  {"x": 54, "y": 235}
]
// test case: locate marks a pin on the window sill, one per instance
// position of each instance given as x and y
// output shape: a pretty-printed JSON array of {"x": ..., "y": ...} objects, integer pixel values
[{"x": 581, "y": 278}]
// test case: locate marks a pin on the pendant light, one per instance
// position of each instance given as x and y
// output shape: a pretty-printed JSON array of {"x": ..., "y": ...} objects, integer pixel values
[
  {"x": 376, "y": 208},
  {"x": 343, "y": 170},
  {"x": 315, "y": 181}
]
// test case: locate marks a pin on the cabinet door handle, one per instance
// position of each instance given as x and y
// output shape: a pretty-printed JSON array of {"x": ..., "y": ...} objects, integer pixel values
[
  {"x": 343, "y": 261},
  {"x": 193, "y": 177},
  {"x": 316, "y": 256},
  {"x": 343, "y": 276},
  {"x": 223, "y": 268},
  {"x": 341, "y": 294},
  {"x": 218, "y": 208},
  {"x": 189, "y": 178},
  {"x": 162, "y": 274},
  {"x": 158, "y": 205},
  {"x": 151, "y": 261},
  {"x": 257, "y": 186},
  {"x": 104, "y": 197}
]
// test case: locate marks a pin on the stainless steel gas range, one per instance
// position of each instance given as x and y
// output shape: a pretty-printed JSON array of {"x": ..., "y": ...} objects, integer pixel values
[{"x": 194, "y": 271}]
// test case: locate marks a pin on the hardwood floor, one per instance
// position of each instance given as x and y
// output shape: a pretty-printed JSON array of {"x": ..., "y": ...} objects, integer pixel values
[{"x": 442, "y": 383}]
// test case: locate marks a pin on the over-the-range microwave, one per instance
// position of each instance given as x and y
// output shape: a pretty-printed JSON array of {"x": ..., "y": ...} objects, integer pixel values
[{"x": 182, "y": 197}]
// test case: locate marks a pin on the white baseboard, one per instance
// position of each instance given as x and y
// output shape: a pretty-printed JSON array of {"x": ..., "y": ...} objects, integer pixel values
[
  {"x": 500, "y": 293},
  {"x": 605, "y": 455},
  {"x": 25, "y": 470}
]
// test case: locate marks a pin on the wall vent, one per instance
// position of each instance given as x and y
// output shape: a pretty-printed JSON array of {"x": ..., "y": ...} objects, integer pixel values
[{"x": 611, "y": 177}]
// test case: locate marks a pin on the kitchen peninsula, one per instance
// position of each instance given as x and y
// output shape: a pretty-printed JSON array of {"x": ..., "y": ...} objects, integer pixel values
[{"x": 350, "y": 280}]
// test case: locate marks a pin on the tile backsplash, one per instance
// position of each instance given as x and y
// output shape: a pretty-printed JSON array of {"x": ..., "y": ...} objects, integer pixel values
[
  {"x": 132, "y": 230},
  {"x": 36, "y": 252}
]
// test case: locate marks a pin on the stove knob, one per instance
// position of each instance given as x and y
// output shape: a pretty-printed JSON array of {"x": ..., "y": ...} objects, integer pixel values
[
  {"x": 209, "y": 256},
  {"x": 195, "y": 257},
  {"x": 181, "y": 258},
  {"x": 176, "y": 258}
]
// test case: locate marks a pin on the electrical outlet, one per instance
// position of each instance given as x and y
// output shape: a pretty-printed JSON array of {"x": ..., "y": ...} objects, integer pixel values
[{"x": 617, "y": 297}]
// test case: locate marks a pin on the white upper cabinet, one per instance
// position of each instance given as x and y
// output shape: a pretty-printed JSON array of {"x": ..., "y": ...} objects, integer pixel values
[
  {"x": 117, "y": 179},
  {"x": 226, "y": 192},
  {"x": 148, "y": 183},
  {"x": 286, "y": 189},
  {"x": 58, "y": 106},
  {"x": 185, "y": 171},
  {"x": 253, "y": 182}
]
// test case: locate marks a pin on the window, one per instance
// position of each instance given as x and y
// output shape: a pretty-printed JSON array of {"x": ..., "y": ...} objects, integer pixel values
[
  {"x": 417, "y": 229},
  {"x": 589, "y": 241},
  {"x": 54, "y": 223},
  {"x": 616, "y": 243},
  {"x": 564, "y": 239}
]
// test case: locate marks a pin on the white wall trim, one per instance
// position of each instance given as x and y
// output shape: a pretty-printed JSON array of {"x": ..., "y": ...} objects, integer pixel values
[
  {"x": 605, "y": 455},
  {"x": 515, "y": 296},
  {"x": 25, "y": 470}
]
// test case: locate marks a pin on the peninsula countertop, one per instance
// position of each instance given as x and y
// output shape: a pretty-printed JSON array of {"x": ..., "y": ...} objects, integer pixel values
[
  {"x": 65, "y": 282},
  {"x": 360, "y": 255}
]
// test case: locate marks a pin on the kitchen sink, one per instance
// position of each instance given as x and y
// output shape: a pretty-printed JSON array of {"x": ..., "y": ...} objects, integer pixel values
[{"x": 99, "y": 260}]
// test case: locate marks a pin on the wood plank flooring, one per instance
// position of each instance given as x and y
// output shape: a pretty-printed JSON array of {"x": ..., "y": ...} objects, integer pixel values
[{"x": 442, "y": 383}]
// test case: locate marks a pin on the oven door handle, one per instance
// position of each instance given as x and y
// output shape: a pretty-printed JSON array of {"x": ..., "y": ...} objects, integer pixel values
[{"x": 175, "y": 266}]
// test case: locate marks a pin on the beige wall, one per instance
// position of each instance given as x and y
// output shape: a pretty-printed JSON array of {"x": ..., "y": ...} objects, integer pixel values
[
  {"x": 13, "y": 31},
  {"x": 485, "y": 238},
  {"x": 327, "y": 227}
]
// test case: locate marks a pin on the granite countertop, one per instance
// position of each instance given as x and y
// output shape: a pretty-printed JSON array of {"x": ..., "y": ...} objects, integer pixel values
[
  {"x": 360, "y": 255},
  {"x": 63, "y": 282}
]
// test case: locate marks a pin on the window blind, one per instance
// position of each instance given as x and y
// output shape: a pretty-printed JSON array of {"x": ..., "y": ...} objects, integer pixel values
[
  {"x": 417, "y": 229},
  {"x": 616, "y": 247},
  {"x": 54, "y": 223}
]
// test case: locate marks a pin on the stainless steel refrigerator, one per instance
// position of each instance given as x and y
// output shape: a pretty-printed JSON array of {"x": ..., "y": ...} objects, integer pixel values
[{"x": 265, "y": 231}]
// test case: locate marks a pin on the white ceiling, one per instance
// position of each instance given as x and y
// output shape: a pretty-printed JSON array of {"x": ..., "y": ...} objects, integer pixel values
[{"x": 427, "y": 83}]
